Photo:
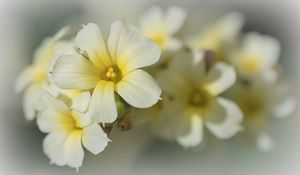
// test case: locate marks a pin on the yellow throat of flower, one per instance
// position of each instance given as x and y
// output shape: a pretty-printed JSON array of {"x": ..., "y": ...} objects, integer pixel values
[
  {"x": 251, "y": 65},
  {"x": 199, "y": 98},
  {"x": 160, "y": 38}
]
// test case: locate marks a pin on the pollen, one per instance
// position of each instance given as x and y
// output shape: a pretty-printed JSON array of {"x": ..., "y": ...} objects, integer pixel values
[{"x": 111, "y": 73}]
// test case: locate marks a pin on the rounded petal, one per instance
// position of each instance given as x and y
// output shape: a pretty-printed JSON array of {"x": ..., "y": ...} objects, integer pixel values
[
  {"x": 231, "y": 123},
  {"x": 264, "y": 142},
  {"x": 55, "y": 117},
  {"x": 195, "y": 136},
  {"x": 266, "y": 47},
  {"x": 53, "y": 147},
  {"x": 220, "y": 78},
  {"x": 139, "y": 89},
  {"x": 285, "y": 108},
  {"x": 53, "y": 121},
  {"x": 173, "y": 44},
  {"x": 90, "y": 39},
  {"x": 81, "y": 102},
  {"x": 31, "y": 101},
  {"x": 75, "y": 72},
  {"x": 230, "y": 25},
  {"x": 102, "y": 107},
  {"x": 129, "y": 48},
  {"x": 24, "y": 79},
  {"x": 152, "y": 20},
  {"x": 174, "y": 19},
  {"x": 94, "y": 138},
  {"x": 173, "y": 84},
  {"x": 170, "y": 119},
  {"x": 52, "y": 103},
  {"x": 73, "y": 151}
]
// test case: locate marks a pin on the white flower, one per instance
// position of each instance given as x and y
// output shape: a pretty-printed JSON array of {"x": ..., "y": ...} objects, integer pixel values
[
  {"x": 191, "y": 100},
  {"x": 257, "y": 57},
  {"x": 67, "y": 131},
  {"x": 108, "y": 66},
  {"x": 218, "y": 36},
  {"x": 160, "y": 26},
  {"x": 259, "y": 103},
  {"x": 34, "y": 77}
]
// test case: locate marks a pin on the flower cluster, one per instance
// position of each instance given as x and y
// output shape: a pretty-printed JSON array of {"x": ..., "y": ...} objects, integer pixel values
[{"x": 79, "y": 89}]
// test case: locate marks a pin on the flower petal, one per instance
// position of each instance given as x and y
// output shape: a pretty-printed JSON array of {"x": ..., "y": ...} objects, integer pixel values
[
  {"x": 266, "y": 47},
  {"x": 90, "y": 39},
  {"x": 173, "y": 44},
  {"x": 129, "y": 48},
  {"x": 54, "y": 121},
  {"x": 31, "y": 101},
  {"x": 175, "y": 85},
  {"x": 55, "y": 117},
  {"x": 231, "y": 123},
  {"x": 285, "y": 108},
  {"x": 220, "y": 78},
  {"x": 174, "y": 19},
  {"x": 24, "y": 79},
  {"x": 94, "y": 138},
  {"x": 139, "y": 89},
  {"x": 53, "y": 147},
  {"x": 195, "y": 136},
  {"x": 183, "y": 74},
  {"x": 102, "y": 107},
  {"x": 230, "y": 25},
  {"x": 152, "y": 21},
  {"x": 75, "y": 72},
  {"x": 170, "y": 119},
  {"x": 73, "y": 152},
  {"x": 52, "y": 103},
  {"x": 264, "y": 142},
  {"x": 81, "y": 102}
]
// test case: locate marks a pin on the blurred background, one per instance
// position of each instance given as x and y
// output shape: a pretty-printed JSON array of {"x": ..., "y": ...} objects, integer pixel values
[{"x": 24, "y": 24}]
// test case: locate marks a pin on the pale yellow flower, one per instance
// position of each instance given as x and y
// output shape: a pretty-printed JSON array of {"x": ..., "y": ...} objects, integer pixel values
[
  {"x": 260, "y": 102},
  {"x": 257, "y": 57},
  {"x": 34, "y": 77},
  {"x": 108, "y": 66},
  {"x": 191, "y": 100},
  {"x": 218, "y": 36},
  {"x": 161, "y": 26},
  {"x": 68, "y": 129}
]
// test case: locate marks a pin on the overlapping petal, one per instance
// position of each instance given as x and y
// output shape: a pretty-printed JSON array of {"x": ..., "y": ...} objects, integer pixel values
[
  {"x": 129, "y": 49},
  {"x": 139, "y": 89},
  {"x": 102, "y": 107},
  {"x": 75, "y": 72}
]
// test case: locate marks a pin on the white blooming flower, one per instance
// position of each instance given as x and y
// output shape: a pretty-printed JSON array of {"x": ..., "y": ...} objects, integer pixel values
[
  {"x": 191, "y": 100},
  {"x": 259, "y": 103},
  {"x": 257, "y": 57},
  {"x": 68, "y": 130},
  {"x": 34, "y": 77},
  {"x": 160, "y": 26},
  {"x": 108, "y": 66},
  {"x": 219, "y": 35}
]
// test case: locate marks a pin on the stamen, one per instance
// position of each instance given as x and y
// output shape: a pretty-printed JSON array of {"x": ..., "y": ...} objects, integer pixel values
[{"x": 111, "y": 73}]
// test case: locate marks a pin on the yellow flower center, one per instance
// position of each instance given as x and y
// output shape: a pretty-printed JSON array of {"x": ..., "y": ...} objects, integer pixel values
[
  {"x": 251, "y": 65},
  {"x": 199, "y": 98},
  {"x": 113, "y": 74}
]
